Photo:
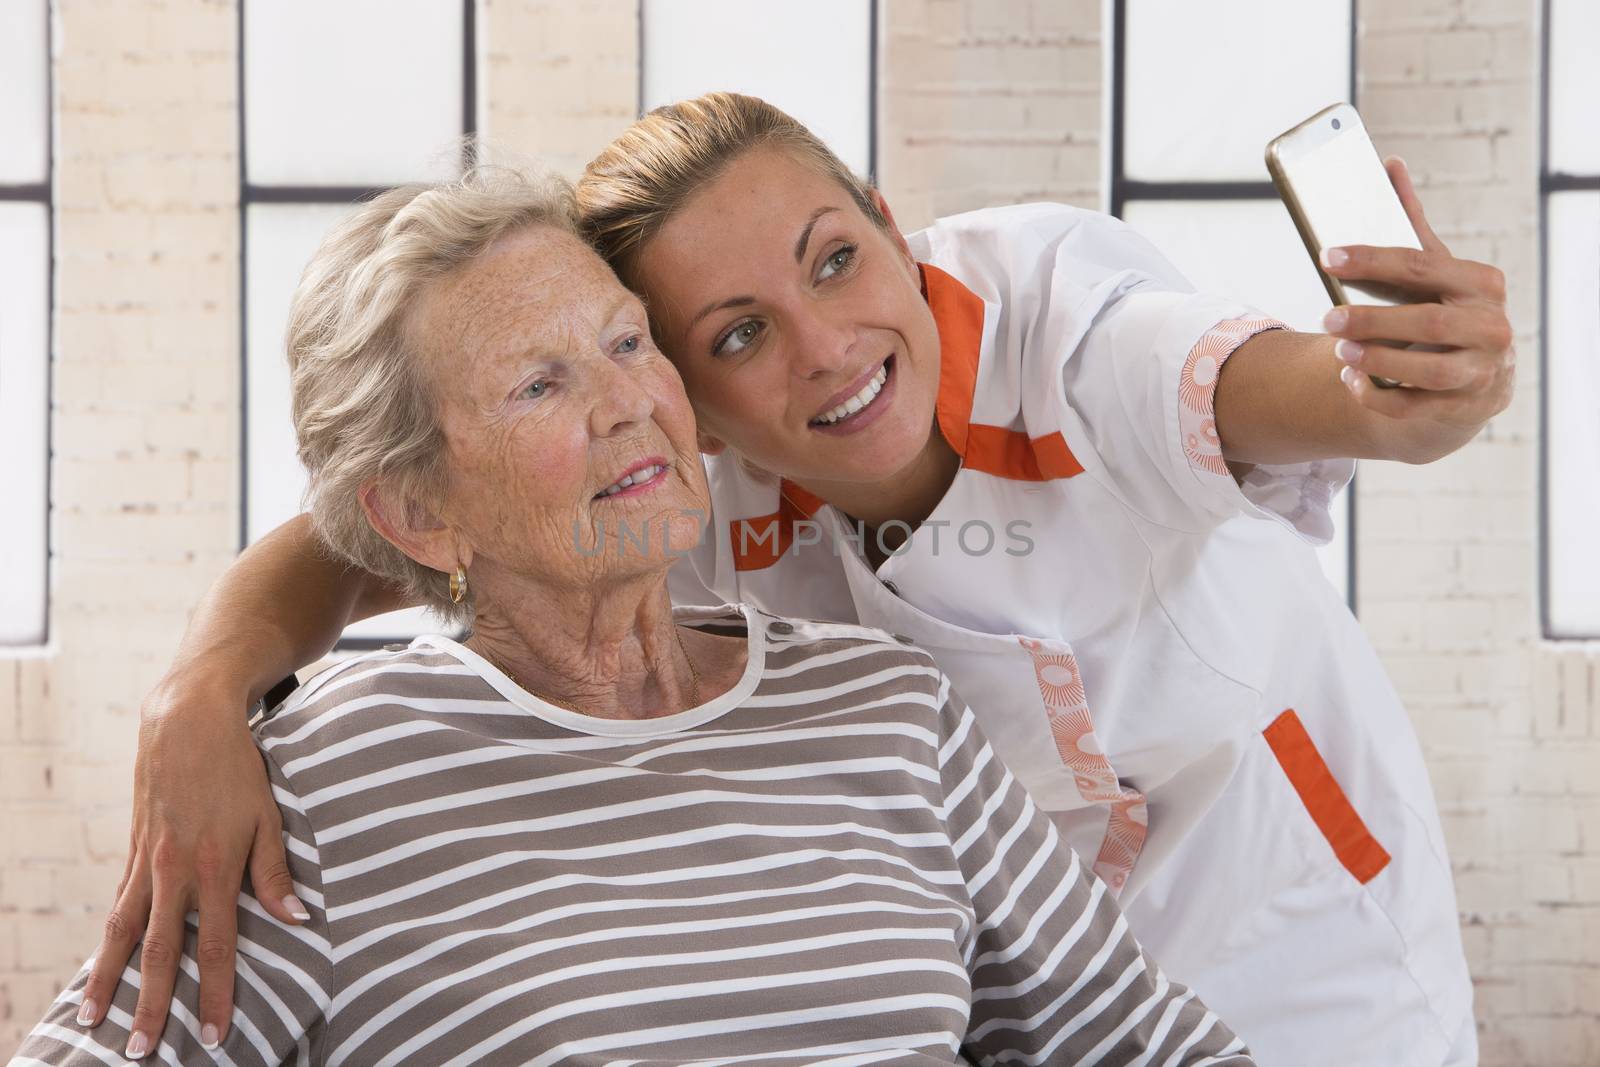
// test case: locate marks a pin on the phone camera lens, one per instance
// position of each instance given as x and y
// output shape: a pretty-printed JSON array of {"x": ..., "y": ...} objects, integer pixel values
[{"x": 1336, "y": 124}]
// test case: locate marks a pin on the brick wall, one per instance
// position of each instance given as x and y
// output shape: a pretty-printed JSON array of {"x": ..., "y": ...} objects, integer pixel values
[
  {"x": 988, "y": 101},
  {"x": 981, "y": 101},
  {"x": 145, "y": 423},
  {"x": 559, "y": 80},
  {"x": 1448, "y": 554}
]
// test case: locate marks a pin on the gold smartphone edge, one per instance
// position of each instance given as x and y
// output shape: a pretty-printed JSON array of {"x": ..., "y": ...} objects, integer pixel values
[{"x": 1302, "y": 225}]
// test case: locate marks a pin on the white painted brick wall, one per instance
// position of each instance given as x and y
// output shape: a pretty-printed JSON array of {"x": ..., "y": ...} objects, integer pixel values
[
  {"x": 1448, "y": 554},
  {"x": 146, "y": 334},
  {"x": 559, "y": 79},
  {"x": 983, "y": 103}
]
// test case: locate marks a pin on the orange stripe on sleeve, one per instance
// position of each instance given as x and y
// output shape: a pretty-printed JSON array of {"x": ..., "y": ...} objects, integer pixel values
[{"x": 1330, "y": 809}]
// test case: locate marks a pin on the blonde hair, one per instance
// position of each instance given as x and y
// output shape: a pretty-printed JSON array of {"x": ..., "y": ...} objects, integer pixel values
[
  {"x": 363, "y": 407},
  {"x": 640, "y": 180}
]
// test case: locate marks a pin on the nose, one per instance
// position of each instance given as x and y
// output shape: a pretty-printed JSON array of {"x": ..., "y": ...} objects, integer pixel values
[
  {"x": 823, "y": 344},
  {"x": 620, "y": 402}
]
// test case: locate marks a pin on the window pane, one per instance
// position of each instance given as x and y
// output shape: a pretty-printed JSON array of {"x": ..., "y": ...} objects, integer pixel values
[
  {"x": 1196, "y": 103},
  {"x": 1248, "y": 250},
  {"x": 812, "y": 60},
  {"x": 280, "y": 239},
  {"x": 362, "y": 92},
  {"x": 24, "y": 415},
  {"x": 24, "y": 112},
  {"x": 1574, "y": 86},
  {"x": 1572, "y": 390}
]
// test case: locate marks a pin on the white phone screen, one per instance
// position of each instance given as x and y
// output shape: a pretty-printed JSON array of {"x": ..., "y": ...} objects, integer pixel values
[{"x": 1346, "y": 194}]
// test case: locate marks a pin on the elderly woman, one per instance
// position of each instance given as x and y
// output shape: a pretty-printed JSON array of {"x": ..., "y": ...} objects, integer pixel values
[{"x": 599, "y": 830}]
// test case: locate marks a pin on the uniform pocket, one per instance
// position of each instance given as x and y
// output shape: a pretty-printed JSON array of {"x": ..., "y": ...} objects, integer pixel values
[{"x": 1326, "y": 802}]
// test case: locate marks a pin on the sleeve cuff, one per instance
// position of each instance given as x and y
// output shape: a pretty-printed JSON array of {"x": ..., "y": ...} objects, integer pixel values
[{"x": 1299, "y": 495}]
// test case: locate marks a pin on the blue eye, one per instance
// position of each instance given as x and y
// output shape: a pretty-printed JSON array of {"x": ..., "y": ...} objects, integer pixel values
[
  {"x": 837, "y": 262},
  {"x": 631, "y": 344},
  {"x": 737, "y": 339},
  {"x": 534, "y": 390}
]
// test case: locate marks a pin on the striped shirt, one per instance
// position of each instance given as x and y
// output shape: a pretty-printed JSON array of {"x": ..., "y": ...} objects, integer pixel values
[{"x": 824, "y": 865}]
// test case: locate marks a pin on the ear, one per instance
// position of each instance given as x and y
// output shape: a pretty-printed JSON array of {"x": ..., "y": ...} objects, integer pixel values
[
  {"x": 895, "y": 235},
  {"x": 709, "y": 445},
  {"x": 413, "y": 529}
]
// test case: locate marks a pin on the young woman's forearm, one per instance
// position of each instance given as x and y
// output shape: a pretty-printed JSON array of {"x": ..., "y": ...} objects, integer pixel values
[
  {"x": 1279, "y": 400},
  {"x": 1288, "y": 398},
  {"x": 280, "y": 606}
]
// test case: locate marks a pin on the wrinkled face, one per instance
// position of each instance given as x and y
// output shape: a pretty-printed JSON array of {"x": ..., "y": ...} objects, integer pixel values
[
  {"x": 798, "y": 325},
  {"x": 564, "y": 424}
]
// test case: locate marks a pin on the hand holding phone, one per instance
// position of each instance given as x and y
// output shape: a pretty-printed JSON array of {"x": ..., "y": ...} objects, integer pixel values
[{"x": 1406, "y": 310}]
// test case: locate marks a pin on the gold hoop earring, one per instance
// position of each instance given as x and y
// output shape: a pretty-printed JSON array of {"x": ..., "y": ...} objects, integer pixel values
[{"x": 458, "y": 585}]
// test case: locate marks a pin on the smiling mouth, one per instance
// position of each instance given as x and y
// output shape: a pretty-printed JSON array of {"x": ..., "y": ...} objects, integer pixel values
[
  {"x": 628, "y": 481},
  {"x": 858, "y": 403}
]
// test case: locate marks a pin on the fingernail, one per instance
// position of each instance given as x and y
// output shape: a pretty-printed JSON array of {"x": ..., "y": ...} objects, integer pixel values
[
  {"x": 1348, "y": 351},
  {"x": 292, "y": 905},
  {"x": 1334, "y": 320},
  {"x": 208, "y": 1036},
  {"x": 138, "y": 1045},
  {"x": 86, "y": 1011},
  {"x": 1347, "y": 375},
  {"x": 1334, "y": 257}
]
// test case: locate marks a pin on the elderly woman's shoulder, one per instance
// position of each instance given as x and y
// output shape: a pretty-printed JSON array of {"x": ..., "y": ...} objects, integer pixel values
[
  {"x": 396, "y": 680},
  {"x": 794, "y": 638}
]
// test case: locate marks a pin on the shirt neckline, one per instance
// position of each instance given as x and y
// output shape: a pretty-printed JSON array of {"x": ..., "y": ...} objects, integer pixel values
[{"x": 567, "y": 719}]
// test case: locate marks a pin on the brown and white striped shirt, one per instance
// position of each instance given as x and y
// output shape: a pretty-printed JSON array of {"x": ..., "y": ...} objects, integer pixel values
[{"x": 824, "y": 865}]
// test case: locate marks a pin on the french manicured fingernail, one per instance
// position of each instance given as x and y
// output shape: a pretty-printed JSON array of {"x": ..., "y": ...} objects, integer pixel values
[
  {"x": 292, "y": 905},
  {"x": 1334, "y": 257},
  {"x": 208, "y": 1036},
  {"x": 86, "y": 1011},
  {"x": 1334, "y": 320},
  {"x": 1347, "y": 375},
  {"x": 1348, "y": 351},
  {"x": 138, "y": 1045}
]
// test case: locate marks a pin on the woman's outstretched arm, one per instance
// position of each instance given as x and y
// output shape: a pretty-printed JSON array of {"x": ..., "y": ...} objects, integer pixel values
[
  {"x": 1289, "y": 398},
  {"x": 202, "y": 808}
]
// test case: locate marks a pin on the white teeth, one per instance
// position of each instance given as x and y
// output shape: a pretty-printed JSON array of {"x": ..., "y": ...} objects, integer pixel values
[
  {"x": 857, "y": 402},
  {"x": 638, "y": 476}
]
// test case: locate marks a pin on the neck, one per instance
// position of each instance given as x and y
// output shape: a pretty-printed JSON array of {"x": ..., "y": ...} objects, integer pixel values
[
  {"x": 907, "y": 498},
  {"x": 611, "y": 652}
]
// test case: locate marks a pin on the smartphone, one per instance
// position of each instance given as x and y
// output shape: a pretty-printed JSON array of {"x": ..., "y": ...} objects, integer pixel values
[{"x": 1334, "y": 185}]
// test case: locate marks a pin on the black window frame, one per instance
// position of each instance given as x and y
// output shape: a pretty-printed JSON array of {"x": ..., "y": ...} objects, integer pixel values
[
  {"x": 1551, "y": 182},
  {"x": 1124, "y": 189},
  {"x": 43, "y": 194},
  {"x": 340, "y": 195}
]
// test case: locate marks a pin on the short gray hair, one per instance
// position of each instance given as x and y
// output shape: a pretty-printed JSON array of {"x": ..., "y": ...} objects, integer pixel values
[{"x": 363, "y": 408}]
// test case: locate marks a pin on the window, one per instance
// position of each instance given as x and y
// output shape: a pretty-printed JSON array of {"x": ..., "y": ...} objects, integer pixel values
[
  {"x": 337, "y": 102},
  {"x": 25, "y": 291},
  {"x": 1570, "y": 224},
  {"x": 813, "y": 60},
  {"x": 1187, "y": 166}
]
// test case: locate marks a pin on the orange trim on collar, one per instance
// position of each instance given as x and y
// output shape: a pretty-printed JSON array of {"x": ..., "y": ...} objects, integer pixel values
[
  {"x": 760, "y": 542},
  {"x": 997, "y": 450}
]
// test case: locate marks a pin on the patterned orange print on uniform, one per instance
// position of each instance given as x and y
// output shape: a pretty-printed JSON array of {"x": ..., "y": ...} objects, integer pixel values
[
  {"x": 1066, "y": 707},
  {"x": 1125, "y": 834},
  {"x": 1197, "y": 390}
]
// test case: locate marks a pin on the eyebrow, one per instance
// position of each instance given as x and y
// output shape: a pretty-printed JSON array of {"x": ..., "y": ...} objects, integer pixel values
[
  {"x": 805, "y": 234},
  {"x": 799, "y": 254}
]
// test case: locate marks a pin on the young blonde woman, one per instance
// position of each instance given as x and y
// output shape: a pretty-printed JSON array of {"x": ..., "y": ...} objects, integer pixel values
[{"x": 1020, "y": 439}]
